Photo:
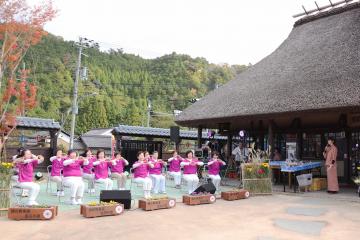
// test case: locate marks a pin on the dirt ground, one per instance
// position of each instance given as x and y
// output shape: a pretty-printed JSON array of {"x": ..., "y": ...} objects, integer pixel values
[{"x": 263, "y": 218}]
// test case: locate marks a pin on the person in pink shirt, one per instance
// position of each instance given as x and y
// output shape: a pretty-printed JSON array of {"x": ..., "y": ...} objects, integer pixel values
[
  {"x": 26, "y": 163},
  {"x": 117, "y": 170},
  {"x": 88, "y": 170},
  {"x": 175, "y": 168},
  {"x": 214, "y": 166},
  {"x": 156, "y": 174},
  {"x": 141, "y": 173},
  {"x": 101, "y": 168},
  {"x": 190, "y": 165},
  {"x": 73, "y": 176},
  {"x": 56, "y": 168}
]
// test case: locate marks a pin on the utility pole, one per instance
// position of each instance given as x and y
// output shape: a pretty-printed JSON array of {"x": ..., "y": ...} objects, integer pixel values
[
  {"x": 83, "y": 43},
  {"x": 148, "y": 112}
]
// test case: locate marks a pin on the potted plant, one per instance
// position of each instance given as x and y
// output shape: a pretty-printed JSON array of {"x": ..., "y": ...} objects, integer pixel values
[
  {"x": 95, "y": 209},
  {"x": 36, "y": 212},
  {"x": 235, "y": 194},
  {"x": 157, "y": 202},
  {"x": 357, "y": 182},
  {"x": 199, "y": 198},
  {"x": 256, "y": 175},
  {"x": 6, "y": 171}
]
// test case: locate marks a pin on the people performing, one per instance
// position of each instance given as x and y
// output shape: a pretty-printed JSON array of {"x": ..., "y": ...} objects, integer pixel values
[{"x": 70, "y": 172}]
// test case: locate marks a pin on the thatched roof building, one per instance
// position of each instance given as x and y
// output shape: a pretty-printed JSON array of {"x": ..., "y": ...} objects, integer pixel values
[
  {"x": 315, "y": 70},
  {"x": 305, "y": 91}
]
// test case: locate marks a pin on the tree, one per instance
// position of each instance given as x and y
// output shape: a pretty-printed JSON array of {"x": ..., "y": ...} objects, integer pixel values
[{"x": 21, "y": 26}]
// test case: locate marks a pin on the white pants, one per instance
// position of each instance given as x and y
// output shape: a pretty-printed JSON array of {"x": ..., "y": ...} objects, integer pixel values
[
  {"x": 90, "y": 179},
  {"x": 33, "y": 188},
  {"x": 146, "y": 182},
  {"x": 176, "y": 176},
  {"x": 121, "y": 180},
  {"x": 76, "y": 185},
  {"x": 58, "y": 181},
  {"x": 106, "y": 181},
  {"x": 159, "y": 183},
  {"x": 192, "y": 181},
  {"x": 215, "y": 180}
]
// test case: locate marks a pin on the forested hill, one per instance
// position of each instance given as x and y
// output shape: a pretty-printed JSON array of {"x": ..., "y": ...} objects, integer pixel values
[{"x": 123, "y": 82}]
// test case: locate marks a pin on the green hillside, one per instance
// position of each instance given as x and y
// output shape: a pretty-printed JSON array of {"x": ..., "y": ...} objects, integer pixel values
[{"x": 123, "y": 82}]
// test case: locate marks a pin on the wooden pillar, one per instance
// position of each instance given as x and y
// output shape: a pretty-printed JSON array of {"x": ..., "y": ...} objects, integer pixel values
[
  {"x": 53, "y": 142},
  {"x": 347, "y": 163},
  {"x": 199, "y": 137},
  {"x": 261, "y": 135},
  {"x": 271, "y": 135},
  {"x": 229, "y": 144}
]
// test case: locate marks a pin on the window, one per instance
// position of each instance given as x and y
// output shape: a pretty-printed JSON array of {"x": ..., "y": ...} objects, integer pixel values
[{"x": 311, "y": 146}]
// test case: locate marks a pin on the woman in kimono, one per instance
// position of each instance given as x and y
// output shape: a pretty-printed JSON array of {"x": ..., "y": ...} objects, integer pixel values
[{"x": 330, "y": 155}]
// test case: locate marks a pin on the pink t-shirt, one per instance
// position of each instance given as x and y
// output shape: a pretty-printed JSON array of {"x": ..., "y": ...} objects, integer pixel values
[
  {"x": 141, "y": 171},
  {"x": 88, "y": 168},
  {"x": 214, "y": 168},
  {"x": 56, "y": 167},
  {"x": 156, "y": 170},
  {"x": 118, "y": 167},
  {"x": 190, "y": 169},
  {"x": 73, "y": 169},
  {"x": 101, "y": 170},
  {"x": 175, "y": 164},
  {"x": 26, "y": 170}
]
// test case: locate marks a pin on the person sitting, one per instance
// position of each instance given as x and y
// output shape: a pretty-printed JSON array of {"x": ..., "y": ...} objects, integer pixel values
[
  {"x": 26, "y": 163},
  {"x": 214, "y": 166},
  {"x": 101, "y": 168},
  {"x": 73, "y": 176},
  {"x": 190, "y": 165},
  {"x": 141, "y": 173},
  {"x": 157, "y": 175},
  {"x": 117, "y": 170},
  {"x": 175, "y": 168},
  {"x": 56, "y": 168}
]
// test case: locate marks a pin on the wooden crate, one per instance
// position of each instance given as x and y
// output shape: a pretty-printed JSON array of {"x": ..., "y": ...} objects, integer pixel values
[
  {"x": 101, "y": 210},
  {"x": 318, "y": 184},
  {"x": 33, "y": 213},
  {"x": 235, "y": 195},
  {"x": 199, "y": 199},
  {"x": 155, "y": 204}
]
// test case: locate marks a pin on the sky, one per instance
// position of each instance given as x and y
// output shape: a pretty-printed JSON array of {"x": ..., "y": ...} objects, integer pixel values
[{"x": 222, "y": 31}]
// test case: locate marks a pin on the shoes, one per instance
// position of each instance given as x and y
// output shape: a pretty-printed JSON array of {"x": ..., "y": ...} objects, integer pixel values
[
  {"x": 71, "y": 202},
  {"x": 32, "y": 203},
  {"x": 79, "y": 201}
]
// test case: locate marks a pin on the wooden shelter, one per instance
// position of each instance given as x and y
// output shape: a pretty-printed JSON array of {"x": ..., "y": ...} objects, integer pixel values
[{"x": 305, "y": 91}]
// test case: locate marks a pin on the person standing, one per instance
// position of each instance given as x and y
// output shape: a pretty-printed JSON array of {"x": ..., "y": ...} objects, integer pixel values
[
  {"x": 175, "y": 168},
  {"x": 241, "y": 153},
  {"x": 330, "y": 155}
]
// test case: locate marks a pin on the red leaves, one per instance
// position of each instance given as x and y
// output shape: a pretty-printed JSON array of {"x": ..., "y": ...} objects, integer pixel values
[{"x": 21, "y": 27}]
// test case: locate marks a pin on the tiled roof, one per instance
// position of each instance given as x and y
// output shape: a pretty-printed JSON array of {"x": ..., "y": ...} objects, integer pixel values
[
  {"x": 96, "y": 141},
  {"x": 158, "y": 132},
  {"x": 31, "y": 122}
]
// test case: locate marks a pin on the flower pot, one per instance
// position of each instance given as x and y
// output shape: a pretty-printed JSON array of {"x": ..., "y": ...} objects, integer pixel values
[
  {"x": 155, "y": 204},
  {"x": 235, "y": 195},
  {"x": 101, "y": 210},
  {"x": 199, "y": 199},
  {"x": 33, "y": 213}
]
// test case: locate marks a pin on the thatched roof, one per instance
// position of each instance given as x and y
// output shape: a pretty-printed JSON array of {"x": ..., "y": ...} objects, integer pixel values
[{"x": 316, "y": 67}]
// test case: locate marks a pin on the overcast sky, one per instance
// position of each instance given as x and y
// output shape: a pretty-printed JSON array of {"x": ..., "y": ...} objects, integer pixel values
[{"x": 222, "y": 31}]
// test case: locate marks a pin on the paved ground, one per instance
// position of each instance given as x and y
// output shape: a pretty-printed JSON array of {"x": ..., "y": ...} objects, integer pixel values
[{"x": 276, "y": 217}]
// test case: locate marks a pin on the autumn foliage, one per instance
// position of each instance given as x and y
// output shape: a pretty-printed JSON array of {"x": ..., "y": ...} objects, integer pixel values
[{"x": 21, "y": 26}]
